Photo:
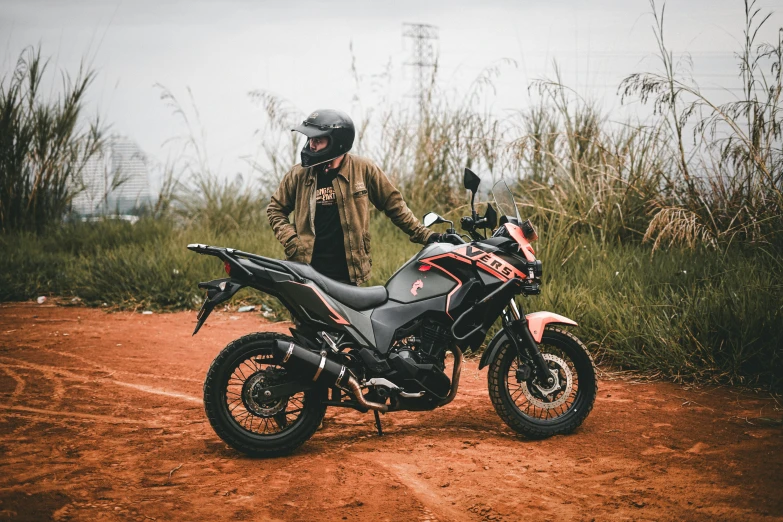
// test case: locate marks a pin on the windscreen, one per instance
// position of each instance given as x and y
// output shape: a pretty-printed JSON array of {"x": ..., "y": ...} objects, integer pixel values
[{"x": 504, "y": 200}]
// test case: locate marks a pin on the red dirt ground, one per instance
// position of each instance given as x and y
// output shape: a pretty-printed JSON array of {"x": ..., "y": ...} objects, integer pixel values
[{"x": 102, "y": 419}]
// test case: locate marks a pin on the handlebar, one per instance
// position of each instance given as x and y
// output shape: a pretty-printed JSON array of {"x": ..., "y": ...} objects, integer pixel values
[{"x": 453, "y": 238}]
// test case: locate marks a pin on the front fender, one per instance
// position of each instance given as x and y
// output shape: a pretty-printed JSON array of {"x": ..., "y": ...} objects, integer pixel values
[
  {"x": 536, "y": 322},
  {"x": 493, "y": 346}
]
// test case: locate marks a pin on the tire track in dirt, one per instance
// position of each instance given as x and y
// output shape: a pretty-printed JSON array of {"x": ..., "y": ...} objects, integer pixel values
[
  {"x": 19, "y": 384},
  {"x": 54, "y": 400},
  {"x": 434, "y": 506},
  {"x": 110, "y": 419},
  {"x": 158, "y": 391},
  {"x": 51, "y": 372},
  {"x": 340, "y": 443},
  {"x": 112, "y": 371}
]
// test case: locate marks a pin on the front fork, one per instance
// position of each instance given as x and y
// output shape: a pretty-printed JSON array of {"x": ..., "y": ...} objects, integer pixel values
[{"x": 516, "y": 328}]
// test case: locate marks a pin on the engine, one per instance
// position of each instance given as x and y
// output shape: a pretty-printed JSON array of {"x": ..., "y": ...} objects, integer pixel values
[
  {"x": 418, "y": 361},
  {"x": 434, "y": 340}
]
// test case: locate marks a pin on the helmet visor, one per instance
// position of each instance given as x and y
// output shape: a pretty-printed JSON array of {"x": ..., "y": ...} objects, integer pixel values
[{"x": 312, "y": 130}]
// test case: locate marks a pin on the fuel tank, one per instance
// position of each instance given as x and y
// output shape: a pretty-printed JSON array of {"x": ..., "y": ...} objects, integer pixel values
[{"x": 415, "y": 281}]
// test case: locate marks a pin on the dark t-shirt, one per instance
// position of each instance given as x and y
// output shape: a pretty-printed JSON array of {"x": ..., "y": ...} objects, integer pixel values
[{"x": 329, "y": 250}]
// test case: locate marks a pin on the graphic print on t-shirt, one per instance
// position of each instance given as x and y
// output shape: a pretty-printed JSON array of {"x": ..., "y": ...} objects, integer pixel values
[{"x": 325, "y": 196}]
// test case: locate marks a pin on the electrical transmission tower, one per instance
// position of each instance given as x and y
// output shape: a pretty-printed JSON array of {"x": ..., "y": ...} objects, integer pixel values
[{"x": 423, "y": 58}]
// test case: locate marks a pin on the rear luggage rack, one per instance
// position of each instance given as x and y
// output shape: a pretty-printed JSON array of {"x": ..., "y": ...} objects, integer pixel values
[{"x": 229, "y": 255}]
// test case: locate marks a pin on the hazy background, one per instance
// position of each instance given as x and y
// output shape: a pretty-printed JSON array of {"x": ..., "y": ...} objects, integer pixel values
[{"x": 301, "y": 51}]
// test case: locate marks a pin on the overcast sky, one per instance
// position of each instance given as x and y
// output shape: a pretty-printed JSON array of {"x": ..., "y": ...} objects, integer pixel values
[{"x": 300, "y": 51}]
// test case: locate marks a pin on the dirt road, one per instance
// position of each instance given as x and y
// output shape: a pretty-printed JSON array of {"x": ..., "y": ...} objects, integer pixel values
[{"x": 101, "y": 419}]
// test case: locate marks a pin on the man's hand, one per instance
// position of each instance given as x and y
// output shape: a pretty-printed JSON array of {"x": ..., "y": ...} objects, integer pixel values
[
  {"x": 454, "y": 239},
  {"x": 291, "y": 246}
]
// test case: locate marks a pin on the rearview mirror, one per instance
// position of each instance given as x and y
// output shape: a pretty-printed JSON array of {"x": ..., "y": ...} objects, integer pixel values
[
  {"x": 471, "y": 180},
  {"x": 431, "y": 218}
]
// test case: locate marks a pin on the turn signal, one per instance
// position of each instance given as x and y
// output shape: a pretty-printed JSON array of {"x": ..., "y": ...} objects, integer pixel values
[{"x": 227, "y": 267}]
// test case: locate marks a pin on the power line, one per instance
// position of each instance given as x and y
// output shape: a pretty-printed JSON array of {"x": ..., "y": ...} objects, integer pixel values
[{"x": 423, "y": 57}]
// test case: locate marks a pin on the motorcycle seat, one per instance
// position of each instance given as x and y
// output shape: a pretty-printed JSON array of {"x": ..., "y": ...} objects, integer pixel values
[{"x": 356, "y": 297}]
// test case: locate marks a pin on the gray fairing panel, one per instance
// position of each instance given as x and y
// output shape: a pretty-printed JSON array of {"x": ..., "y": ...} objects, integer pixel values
[
  {"x": 360, "y": 321},
  {"x": 391, "y": 315}
]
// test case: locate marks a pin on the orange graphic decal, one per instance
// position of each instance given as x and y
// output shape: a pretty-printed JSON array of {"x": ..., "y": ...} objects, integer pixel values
[
  {"x": 336, "y": 317},
  {"x": 489, "y": 262}
]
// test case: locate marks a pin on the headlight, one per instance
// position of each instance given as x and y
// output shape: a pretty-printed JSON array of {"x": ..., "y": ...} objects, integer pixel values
[{"x": 538, "y": 269}]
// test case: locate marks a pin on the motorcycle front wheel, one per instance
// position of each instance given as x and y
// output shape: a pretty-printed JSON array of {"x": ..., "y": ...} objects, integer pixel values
[
  {"x": 539, "y": 412},
  {"x": 235, "y": 402}
]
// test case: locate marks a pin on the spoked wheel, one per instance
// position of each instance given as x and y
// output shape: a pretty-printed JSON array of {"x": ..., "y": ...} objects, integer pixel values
[
  {"x": 539, "y": 411},
  {"x": 244, "y": 413},
  {"x": 250, "y": 408}
]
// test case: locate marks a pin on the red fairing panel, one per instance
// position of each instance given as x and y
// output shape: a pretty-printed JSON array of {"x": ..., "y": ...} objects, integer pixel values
[
  {"x": 537, "y": 321},
  {"x": 524, "y": 244}
]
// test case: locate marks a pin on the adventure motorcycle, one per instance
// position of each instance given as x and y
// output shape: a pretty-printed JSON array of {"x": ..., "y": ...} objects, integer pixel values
[{"x": 384, "y": 348}]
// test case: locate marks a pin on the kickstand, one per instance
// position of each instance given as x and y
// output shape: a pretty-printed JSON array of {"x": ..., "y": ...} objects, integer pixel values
[{"x": 378, "y": 423}]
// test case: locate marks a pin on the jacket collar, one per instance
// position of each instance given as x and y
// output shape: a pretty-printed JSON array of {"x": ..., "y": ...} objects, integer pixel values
[{"x": 343, "y": 168}]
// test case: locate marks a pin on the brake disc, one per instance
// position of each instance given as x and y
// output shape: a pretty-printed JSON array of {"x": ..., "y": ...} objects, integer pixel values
[
  {"x": 555, "y": 395},
  {"x": 253, "y": 398}
]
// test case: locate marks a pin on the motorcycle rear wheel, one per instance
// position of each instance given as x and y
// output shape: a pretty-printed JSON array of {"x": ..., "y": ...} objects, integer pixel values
[
  {"x": 238, "y": 413},
  {"x": 539, "y": 413}
]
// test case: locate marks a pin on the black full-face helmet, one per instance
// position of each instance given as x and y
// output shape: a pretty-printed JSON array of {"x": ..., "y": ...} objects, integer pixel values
[{"x": 327, "y": 123}]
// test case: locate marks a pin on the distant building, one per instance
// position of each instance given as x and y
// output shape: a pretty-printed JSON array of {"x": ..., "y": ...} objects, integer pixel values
[{"x": 114, "y": 181}]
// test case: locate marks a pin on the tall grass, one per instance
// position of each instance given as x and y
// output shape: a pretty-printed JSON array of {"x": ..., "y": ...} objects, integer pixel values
[
  {"x": 44, "y": 144},
  {"x": 685, "y": 314},
  {"x": 731, "y": 185},
  {"x": 196, "y": 195}
]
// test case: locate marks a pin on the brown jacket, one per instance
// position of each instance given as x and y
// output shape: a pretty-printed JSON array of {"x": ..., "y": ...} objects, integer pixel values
[{"x": 358, "y": 181}]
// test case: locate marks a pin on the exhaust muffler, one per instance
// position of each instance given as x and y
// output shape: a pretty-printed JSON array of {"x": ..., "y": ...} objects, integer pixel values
[{"x": 319, "y": 368}]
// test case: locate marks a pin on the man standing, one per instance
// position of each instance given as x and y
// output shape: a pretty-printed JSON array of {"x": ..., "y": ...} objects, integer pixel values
[{"x": 329, "y": 195}]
